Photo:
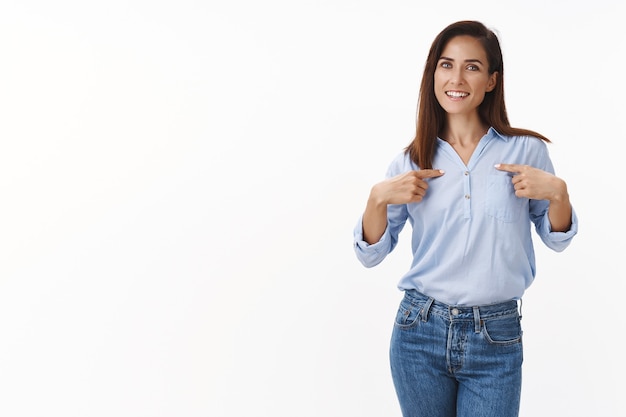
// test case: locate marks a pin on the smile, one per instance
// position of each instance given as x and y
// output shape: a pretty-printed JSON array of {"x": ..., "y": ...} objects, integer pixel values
[{"x": 456, "y": 94}]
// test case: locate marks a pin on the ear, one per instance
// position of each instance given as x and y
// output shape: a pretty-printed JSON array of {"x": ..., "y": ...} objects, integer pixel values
[{"x": 493, "y": 81}]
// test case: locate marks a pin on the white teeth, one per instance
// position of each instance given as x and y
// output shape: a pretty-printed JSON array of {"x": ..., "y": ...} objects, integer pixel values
[{"x": 456, "y": 94}]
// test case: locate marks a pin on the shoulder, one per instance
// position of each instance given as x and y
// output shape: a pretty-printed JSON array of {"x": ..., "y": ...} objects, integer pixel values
[
  {"x": 524, "y": 141},
  {"x": 528, "y": 150},
  {"x": 401, "y": 163}
]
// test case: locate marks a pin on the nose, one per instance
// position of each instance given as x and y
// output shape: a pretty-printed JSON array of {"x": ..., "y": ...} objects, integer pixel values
[{"x": 457, "y": 76}]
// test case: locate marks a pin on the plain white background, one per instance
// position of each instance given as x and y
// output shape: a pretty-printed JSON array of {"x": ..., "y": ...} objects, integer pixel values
[{"x": 179, "y": 181}]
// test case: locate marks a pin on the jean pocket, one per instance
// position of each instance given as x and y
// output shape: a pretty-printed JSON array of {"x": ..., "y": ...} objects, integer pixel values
[
  {"x": 502, "y": 203},
  {"x": 408, "y": 314},
  {"x": 505, "y": 330}
]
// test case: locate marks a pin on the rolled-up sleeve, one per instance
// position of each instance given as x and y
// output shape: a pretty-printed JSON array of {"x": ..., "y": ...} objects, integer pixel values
[
  {"x": 557, "y": 241},
  {"x": 371, "y": 254}
]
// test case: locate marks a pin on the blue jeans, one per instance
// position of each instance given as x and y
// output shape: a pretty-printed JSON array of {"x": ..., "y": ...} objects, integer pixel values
[{"x": 450, "y": 361}]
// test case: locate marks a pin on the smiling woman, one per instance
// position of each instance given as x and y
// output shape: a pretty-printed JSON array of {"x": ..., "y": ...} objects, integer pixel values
[
  {"x": 470, "y": 185},
  {"x": 179, "y": 184},
  {"x": 462, "y": 77}
]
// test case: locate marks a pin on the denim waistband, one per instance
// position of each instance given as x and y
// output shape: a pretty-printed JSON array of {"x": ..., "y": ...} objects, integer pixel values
[{"x": 432, "y": 306}]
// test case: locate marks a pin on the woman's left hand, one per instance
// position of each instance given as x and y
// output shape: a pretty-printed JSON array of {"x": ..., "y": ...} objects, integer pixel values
[{"x": 534, "y": 183}]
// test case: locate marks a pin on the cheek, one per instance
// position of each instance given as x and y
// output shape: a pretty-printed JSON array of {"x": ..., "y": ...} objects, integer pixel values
[
  {"x": 439, "y": 94},
  {"x": 486, "y": 84},
  {"x": 438, "y": 85},
  {"x": 438, "y": 81}
]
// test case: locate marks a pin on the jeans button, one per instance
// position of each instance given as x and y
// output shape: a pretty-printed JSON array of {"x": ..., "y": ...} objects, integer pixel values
[{"x": 455, "y": 312}]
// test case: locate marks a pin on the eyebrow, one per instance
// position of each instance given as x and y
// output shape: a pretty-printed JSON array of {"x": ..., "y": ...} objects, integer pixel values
[{"x": 467, "y": 60}]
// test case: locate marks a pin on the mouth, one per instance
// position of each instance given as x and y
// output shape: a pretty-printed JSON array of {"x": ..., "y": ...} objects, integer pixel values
[{"x": 457, "y": 94}]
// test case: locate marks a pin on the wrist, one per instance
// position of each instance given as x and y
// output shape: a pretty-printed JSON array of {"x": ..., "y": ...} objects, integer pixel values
[
  {"x": 376, "y": 199},
  {"x": 561, "y": 195}
]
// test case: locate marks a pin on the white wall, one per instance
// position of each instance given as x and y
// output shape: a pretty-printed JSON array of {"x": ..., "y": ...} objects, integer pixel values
[{"x": 179, "y": 181}]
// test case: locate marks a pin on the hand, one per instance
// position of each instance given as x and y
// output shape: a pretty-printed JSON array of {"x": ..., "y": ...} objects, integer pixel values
[
  {"x": 409, "y": 187},
  {"x": 535, "y": 183}
]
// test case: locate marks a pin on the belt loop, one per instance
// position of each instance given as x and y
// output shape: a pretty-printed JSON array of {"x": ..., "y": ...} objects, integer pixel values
[
  {"x": 520, "y": 308},
  {"x": 426, "y": 309},
  {"x": 476, "y": 319}
]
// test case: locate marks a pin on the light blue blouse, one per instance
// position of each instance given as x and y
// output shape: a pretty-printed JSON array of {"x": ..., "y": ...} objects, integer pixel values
[{"x": 471, "y": 238}]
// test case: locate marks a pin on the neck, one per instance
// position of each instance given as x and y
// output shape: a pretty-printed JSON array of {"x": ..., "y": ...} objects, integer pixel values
[{"x": 464, "y": 131}]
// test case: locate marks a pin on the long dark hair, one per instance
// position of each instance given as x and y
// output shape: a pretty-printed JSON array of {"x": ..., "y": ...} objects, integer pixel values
[{"x": 431, "y": 116}]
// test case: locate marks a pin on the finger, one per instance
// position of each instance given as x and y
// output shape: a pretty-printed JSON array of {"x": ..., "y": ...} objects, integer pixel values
[
  {"x": 509, "y": 167},
  {"x": 517, "y": 179},
  {"x": 416, "y": 198},
  {"x": 420, "y": 191},
  {"x": 429, "y": 173}
]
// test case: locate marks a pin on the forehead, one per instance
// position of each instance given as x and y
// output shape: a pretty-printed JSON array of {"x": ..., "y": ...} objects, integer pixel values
[{"x": 464, "y": 47}]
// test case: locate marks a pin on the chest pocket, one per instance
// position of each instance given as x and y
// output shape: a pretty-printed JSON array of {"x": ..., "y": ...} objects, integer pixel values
[{"x": 501, "y": 200}]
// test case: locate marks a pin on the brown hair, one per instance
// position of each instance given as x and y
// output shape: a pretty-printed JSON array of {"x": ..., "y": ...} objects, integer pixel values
[{"x": 431, "y": 116}]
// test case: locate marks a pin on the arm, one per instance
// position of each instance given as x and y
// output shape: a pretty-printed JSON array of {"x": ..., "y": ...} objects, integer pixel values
[
  {"x": 560, "y": 209},
  {"x": 406, "y": 188},
  {"x": 377, "y": 230},
  {"x": 534, "y": 183}
]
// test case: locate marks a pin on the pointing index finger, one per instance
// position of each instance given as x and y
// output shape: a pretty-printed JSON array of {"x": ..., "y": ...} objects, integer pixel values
[
  {"x": 429, "y": 173},
  {"x": 515, "y": 168}
]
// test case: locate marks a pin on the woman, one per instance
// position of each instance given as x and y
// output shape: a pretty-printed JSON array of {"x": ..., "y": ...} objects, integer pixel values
[{"x": 470, "y": 185}]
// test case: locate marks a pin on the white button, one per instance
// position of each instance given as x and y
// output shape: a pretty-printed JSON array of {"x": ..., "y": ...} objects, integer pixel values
[
  {"x": 467, "y": 196},
  {"x": 466, "y": 173},
  {"x": 455, "y": 312}
]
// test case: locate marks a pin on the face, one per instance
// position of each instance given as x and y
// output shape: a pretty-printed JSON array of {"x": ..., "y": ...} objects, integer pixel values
[{"x": 462, "y": 76}]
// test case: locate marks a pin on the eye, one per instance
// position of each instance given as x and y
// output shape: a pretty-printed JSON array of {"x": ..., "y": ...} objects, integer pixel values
[
  {"x": 473, "y": 67},
  {"x": 446, "y": 64}
]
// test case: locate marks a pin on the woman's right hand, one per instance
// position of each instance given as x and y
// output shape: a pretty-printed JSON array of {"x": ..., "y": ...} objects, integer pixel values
[{"x": 409, "y": 187}]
